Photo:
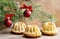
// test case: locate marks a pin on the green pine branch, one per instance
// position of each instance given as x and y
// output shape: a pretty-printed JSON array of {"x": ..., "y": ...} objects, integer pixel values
[{"x": 10, "y": 6}]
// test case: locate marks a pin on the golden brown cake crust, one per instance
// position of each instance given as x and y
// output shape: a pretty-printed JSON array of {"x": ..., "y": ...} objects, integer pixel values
[
  {"x": 31, "y": 35},
  {"x": 32, "y": 31},
  {"x": 13, "y": 32},
  {"x": 48, "y": 33}
]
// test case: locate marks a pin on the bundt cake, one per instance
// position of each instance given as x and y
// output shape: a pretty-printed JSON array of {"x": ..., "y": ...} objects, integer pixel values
[
  {"x": 18, "y": 27},
  {"x": 49, "y": 28},
  {"x": 32, "y": 31}
]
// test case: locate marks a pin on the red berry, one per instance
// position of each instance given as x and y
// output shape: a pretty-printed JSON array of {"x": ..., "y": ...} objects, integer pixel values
[
  {"x": 27, "y": 13},
  {"x": 8, "y": 23}
]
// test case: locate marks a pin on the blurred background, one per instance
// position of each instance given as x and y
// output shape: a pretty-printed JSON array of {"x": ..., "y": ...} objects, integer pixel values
[{"x": 51, "y": 6}]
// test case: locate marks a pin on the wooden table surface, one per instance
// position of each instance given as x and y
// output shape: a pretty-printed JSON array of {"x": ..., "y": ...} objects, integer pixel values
[{"x": 8, "y": 35}]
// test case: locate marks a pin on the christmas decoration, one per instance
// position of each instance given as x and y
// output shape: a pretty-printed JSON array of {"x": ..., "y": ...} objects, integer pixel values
[
  {"x": 26, "y": 7},
  {"x": 7, "y": 20},
  {"x": 32, "y": 11},
  {"x": 8, "y": 23},
  {"x": 28, "y": 10},
  {"x": 27, "y": 13},
  {"x": 8, "y": 16}
]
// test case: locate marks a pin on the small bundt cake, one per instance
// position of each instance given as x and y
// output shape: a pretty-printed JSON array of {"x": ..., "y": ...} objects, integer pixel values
[
  {"x": 18, "y": 28},
  {"x": 49, "y": 28},
  {"x": 32, "y": 31}
]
